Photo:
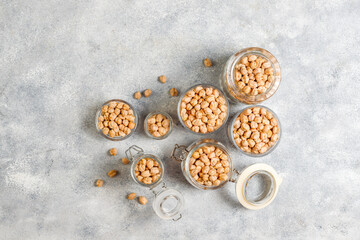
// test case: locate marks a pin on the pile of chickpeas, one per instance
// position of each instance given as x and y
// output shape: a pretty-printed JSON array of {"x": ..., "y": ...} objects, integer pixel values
[
  {"x": 116, "y": 119},
  {"x": 254, "y": 74},
  {"x": 203, "y": 110},
  {"x": 147, "y": 171},
  {"x": 209, "y": 166},
  {"x": 256, "y": 130},
  {"x": 158, "y": 125}
]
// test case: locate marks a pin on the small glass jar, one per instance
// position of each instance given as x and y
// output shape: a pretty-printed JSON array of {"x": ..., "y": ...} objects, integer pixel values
[
  {"x": 228, "y": 82},
  {"x": 116, "y": 138},
  {"x": 256, "y": 186},
  {"x": 232, "y": 139},
  {"x": 221, "y": 94},
  {"x": 170, "y": 125},
  {"x": 167, "y": 202}
]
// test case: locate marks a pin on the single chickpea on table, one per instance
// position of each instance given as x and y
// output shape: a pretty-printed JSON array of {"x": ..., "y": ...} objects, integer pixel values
[
  {"x": 254, "y": 74},
  {"x": 116, "y": 119},
  {"x": 256, "y": 130},
  {"x": 209, "y": 166},
  {"x": 147, "y": 171},
  {"x": 203, "y": 109}
]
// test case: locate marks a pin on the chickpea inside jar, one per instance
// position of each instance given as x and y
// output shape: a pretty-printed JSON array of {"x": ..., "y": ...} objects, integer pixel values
[
  {"x": 203, "y": 109},
  {"x": 255, "y": 131},
  {"x": 158, "y": 125},
  {"x": 206, "y": 165},
  {"x": 116, "y": 120},
  {"x": 147, "y": 170},
  {"x": 251, "y": 76}
]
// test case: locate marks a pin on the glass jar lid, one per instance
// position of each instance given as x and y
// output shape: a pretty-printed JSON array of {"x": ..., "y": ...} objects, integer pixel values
[
  {"x": 168, "y": 204},
  {"x": 257, "y": 186}
]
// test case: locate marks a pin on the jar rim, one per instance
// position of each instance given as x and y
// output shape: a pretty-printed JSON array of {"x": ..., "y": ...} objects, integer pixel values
[{"x": 170, "y": 126}]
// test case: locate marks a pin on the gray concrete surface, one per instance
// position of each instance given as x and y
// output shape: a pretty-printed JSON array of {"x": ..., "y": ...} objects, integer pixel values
[{"x": 60, "y": 60}]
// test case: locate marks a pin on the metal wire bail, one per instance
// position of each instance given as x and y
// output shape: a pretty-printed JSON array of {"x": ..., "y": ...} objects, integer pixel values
[
  {"x": 129, "y": 152},
  {"x": 182, "y": 154}
]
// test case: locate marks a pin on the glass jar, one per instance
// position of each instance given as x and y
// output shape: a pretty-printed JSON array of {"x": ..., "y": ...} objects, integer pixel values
[
  {"x": 230, "y": 132},
  {"x": 167, "y": 203},
  {"x": 221, "y": 94},
  {"x": 256, "y": 186},
  {"x": 228, "y": 82},
  {"x": 170, "y": 125},
  {"x": 116, "y": 138}
]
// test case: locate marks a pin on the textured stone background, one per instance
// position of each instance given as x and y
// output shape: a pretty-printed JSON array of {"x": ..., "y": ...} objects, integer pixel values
[{"x": 60, "y": 60}]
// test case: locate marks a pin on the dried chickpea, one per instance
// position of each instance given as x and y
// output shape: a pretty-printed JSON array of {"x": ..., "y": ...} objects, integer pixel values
[
  {"x": 143, "y": 200},
  {"x": 147, "y": 170},
  {"x": 137, "y": 95},
  {"x": 162, "y": 79},
  {"x": 263, "y": 133},
  {"x": 125, "y": 161},
  {"x": 206, "y": 168},
  {"x": 99, "y": 183},
  {"x": 116, "y": 119},
  {"x": 112, "y": 173},
  {"x": 113, "y": 151},
  {"x": 147, "y": 93},
  {"x": 173, "y": 92},
  {"x": 132, "y": 196},
  {"x": 207, "y": 62}
]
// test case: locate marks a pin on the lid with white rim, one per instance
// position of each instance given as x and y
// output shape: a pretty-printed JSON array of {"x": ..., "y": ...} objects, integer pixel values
[
  {"x": 168, "y": 203},
  {"x": 257, "y": 186}
]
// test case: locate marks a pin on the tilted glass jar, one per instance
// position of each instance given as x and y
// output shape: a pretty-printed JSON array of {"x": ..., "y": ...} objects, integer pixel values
[
  {"x": 228, "y": 82},
  {"x": 256, "y": 186},
  {"x": 168, "y": 203}
]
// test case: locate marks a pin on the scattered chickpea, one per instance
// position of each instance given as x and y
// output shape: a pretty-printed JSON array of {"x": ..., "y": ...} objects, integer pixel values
[
  {"x": 132, "y": 196},
  {"x": 147, "y": 170},
  {"x": 147, "y": 93},
  {"x": 116, "y": 119},
  {"x": 158, "y": 125},
  {"x": 137, "y": 95},
  {"x": 173, "y": 92},
  {"x": 143, "y": 200},
  {"x": 255, "y": 130},
  {"x": 162, "y": 79},
  {"x": 203, "y": 109},
  {"x": 209, "y": 166},
  {"x": 99, "y": 183},
  {"x": 207, "y": 62},
  {"x": 112, "y": 173},
  {"x": 125, "y": 161},
  {"x": 113, "y": 151},
  {"x": 254, "y": 74}
]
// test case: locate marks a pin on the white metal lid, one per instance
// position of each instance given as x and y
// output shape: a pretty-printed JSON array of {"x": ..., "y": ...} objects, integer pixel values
[
  {"x": 266, "y": 191},
  {"x": 168, "y": 204}
]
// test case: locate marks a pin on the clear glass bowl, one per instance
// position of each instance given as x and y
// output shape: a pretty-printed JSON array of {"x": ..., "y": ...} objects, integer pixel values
[
  {"x": 116, "y": 138},
  {"x": 231, "y": 135},
  {"x": 170, "y": 126},
  {"x": 204, "y": 86},
  {"x": 228, "y": 82},
  {"x": 185, "y": 162}
]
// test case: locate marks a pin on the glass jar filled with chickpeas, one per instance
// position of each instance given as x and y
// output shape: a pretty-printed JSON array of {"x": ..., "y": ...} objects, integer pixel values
[
  {"x": 116, "y": 120},
  {"x": 255, "y": 131},
  {"x": 158, "y": 125},
  {"x": 203, "y": 109},
  {"x": 251, "y": 76},
  {"x": 148, "y": 170},
  {"x": 206, "y": 165}
]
